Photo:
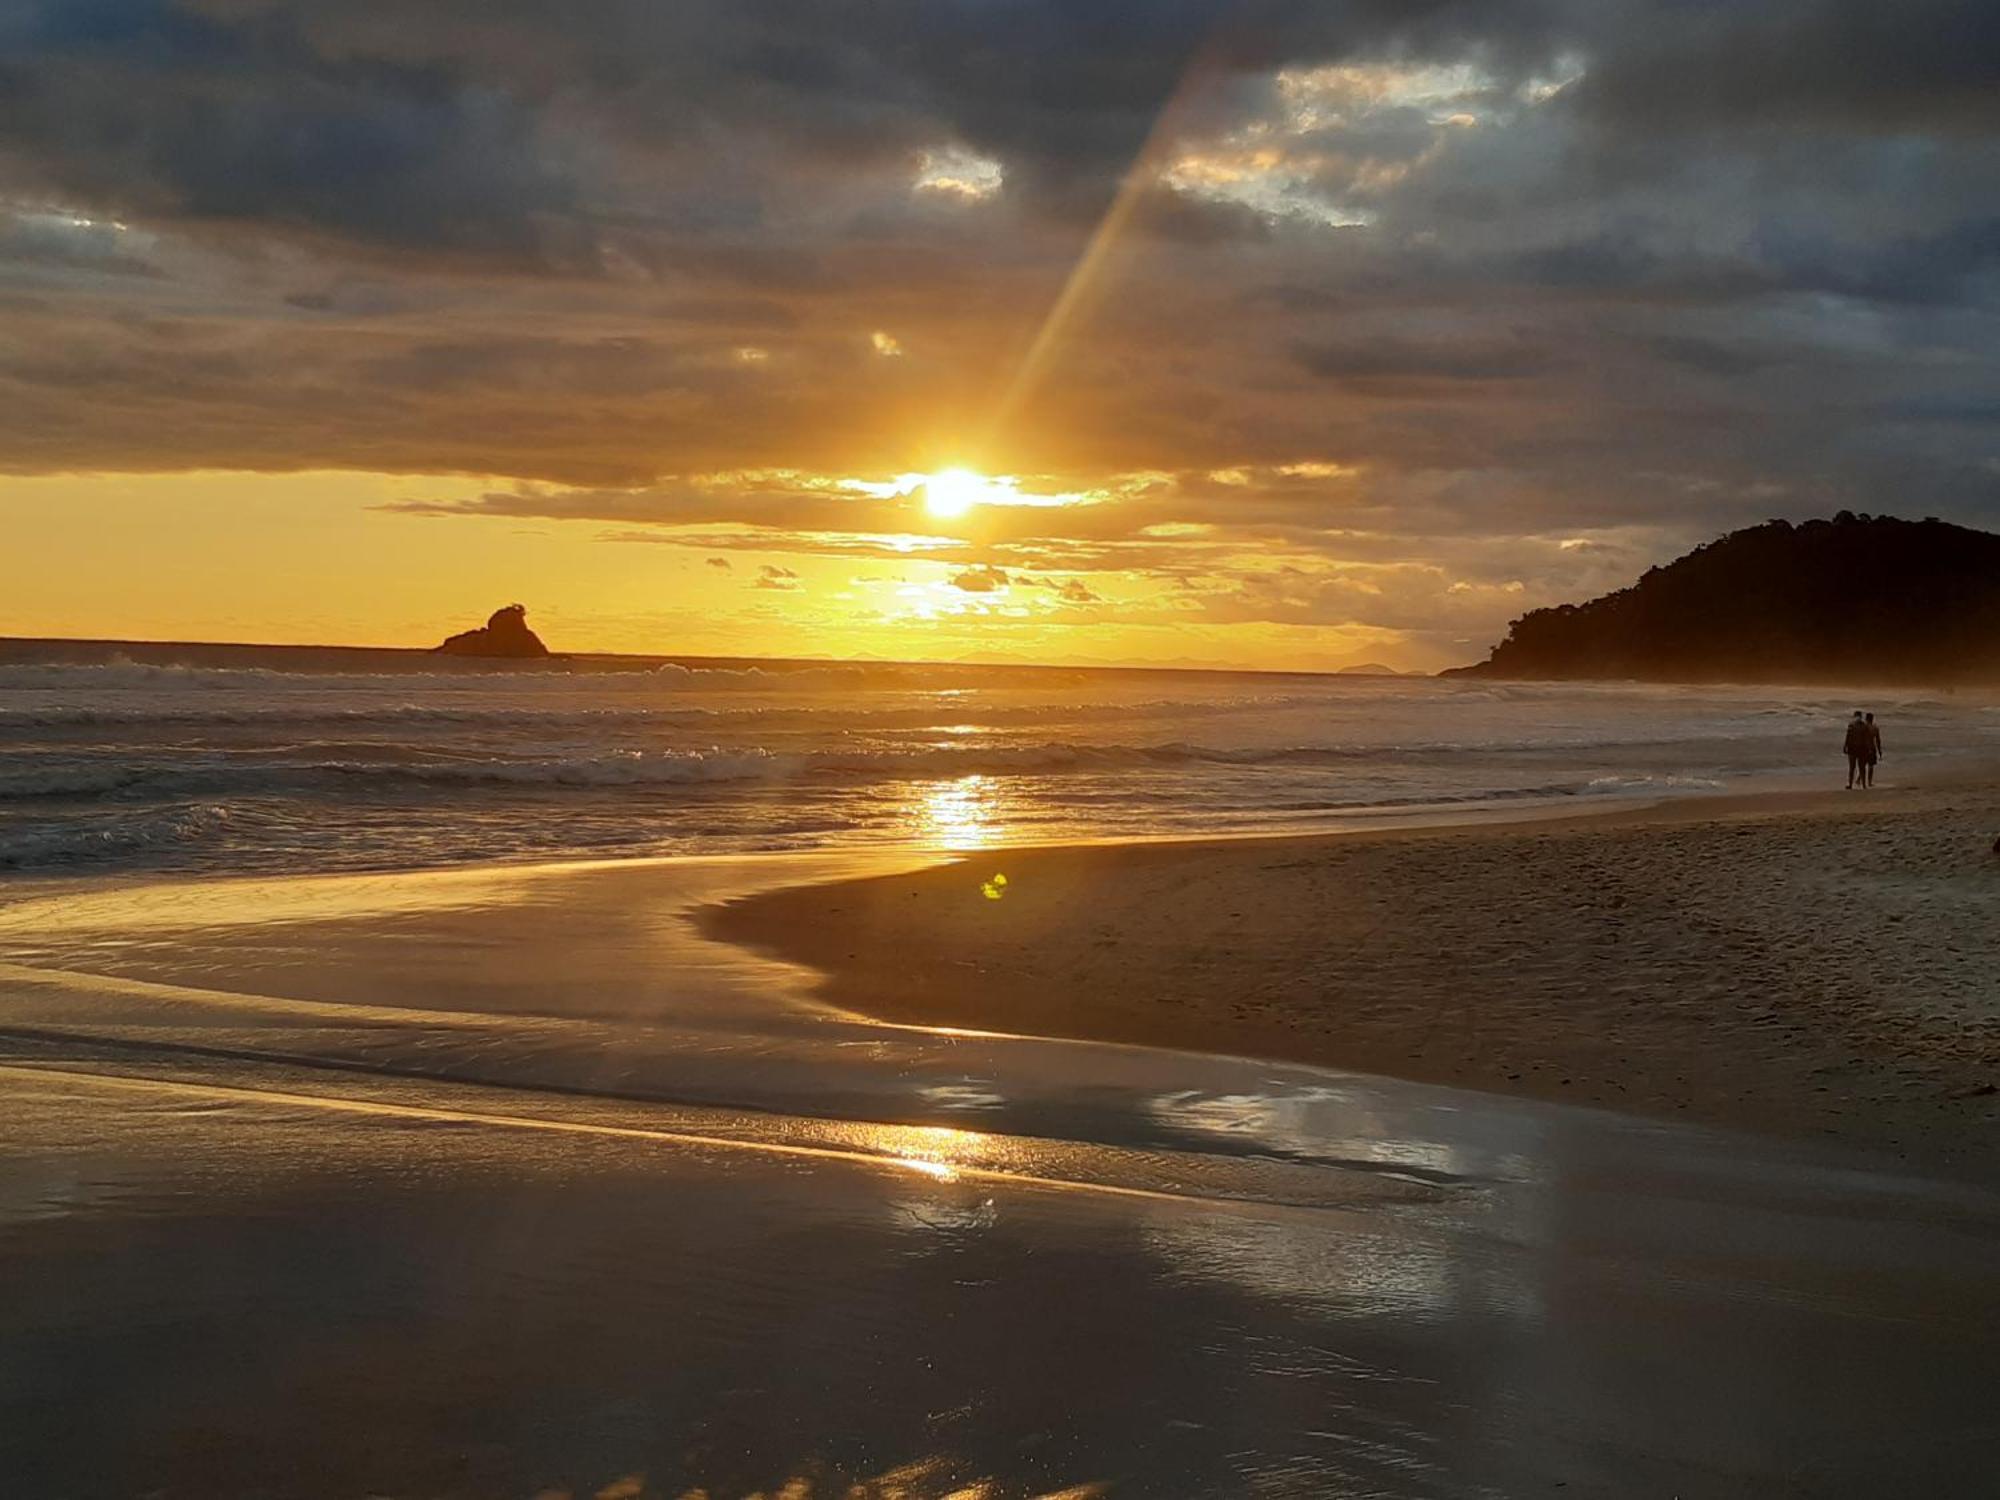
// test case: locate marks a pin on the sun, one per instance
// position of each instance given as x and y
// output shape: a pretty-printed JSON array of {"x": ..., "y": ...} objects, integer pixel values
[{"x": 950, "y": 493}]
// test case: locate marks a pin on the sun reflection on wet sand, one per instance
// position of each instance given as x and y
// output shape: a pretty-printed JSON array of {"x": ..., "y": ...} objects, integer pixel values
[{"x": 936, "y": 1150}]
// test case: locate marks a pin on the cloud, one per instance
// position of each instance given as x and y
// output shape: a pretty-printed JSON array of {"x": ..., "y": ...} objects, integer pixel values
[
  {"x": 980, "y": 580},
  {"x": 1805, "y": 66},
  {"x": 1387, "y": 361},
  {"x": 65, "y": 241},
  {"x": 721, "y": 562},
  {"x": 162, "y": 109},
  {"x": 782, "y": 580}
]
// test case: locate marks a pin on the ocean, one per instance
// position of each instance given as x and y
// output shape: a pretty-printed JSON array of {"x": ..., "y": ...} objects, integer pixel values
[{"x": 274, "y": 760}]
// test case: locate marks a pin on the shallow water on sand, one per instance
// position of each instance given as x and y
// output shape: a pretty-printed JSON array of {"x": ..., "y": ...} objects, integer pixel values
[{"x": 491, "y": 1183}]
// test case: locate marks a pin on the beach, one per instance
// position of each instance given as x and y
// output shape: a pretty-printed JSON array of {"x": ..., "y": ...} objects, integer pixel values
[
  {"x": 509, "y": 1181},
  {"x": 1817, "y": 964},
  {"x": 456, "y": 1087}
]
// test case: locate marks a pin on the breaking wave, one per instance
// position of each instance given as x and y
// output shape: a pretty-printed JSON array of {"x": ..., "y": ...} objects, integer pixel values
[
  {"x": 42, "y": 846},
  {"x": 271, "y": 773}
]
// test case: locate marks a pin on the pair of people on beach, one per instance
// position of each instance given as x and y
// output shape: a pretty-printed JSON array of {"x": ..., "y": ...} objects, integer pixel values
[{"x": 1864, "y": 748}]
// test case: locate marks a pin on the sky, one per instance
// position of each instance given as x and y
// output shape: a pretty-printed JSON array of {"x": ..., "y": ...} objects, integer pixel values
[{"x": 1269, "y": 333}]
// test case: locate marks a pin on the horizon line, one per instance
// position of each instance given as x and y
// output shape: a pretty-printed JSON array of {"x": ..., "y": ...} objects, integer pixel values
[{"x": 673, "y": 657}]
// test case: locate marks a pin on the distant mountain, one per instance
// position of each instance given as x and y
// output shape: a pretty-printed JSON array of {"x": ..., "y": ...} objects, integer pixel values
[
  {"x": 1854, "y": 599},
  {"x": 1368, "y": 669},
  {"x": 505, "y": 634}
]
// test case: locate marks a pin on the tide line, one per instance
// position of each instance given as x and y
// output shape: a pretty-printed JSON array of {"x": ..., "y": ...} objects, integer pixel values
[{"x": 929, "y": 1166}]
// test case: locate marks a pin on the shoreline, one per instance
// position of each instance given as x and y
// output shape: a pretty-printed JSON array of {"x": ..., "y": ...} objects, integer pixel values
[
  {"x": 1710, "y": 959},
  {"x": 1701, "y": 958},
  {"x": 35, "y": 882}
]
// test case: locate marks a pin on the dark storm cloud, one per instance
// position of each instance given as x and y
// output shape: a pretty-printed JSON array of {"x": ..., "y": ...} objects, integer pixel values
[
  {"x": 478, "y": 126},
  {"x": 1384, "y": 360},
  {"x": 147, "y": 106},
  {"x": 1803, "y": 65}
]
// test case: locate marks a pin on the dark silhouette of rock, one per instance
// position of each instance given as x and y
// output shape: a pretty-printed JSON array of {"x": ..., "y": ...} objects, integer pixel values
[
  {"x": 505, "y": 635},
  {"x": 1854, "y": 599}
]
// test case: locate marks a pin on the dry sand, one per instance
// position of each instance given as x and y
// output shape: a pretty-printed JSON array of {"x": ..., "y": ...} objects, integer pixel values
[{"x": 1822, "y": 964}]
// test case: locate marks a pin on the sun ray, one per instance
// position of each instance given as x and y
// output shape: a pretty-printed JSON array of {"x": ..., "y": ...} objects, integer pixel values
[{"x": 1088, "y": 274}]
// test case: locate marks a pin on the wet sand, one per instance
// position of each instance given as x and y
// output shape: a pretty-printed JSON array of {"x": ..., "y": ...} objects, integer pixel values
[
  {"x": 506, "y": 1182},
  {"x": 1823, "y": 964},
  {"x": 229, "y": 1293}
]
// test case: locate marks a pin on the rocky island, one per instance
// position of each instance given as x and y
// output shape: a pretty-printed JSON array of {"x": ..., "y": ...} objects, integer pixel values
[
  {"x": 1853, "y": 599},
  {"x": 505, "y": 635}
]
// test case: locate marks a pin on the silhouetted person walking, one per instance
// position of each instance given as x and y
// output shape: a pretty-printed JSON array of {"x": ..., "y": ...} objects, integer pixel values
[
  {"x": 1856, "y": 745},
  {"x": 1873, "y": 753}
]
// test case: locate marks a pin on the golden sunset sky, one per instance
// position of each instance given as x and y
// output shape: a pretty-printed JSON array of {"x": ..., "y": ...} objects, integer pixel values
[{"x": 1259, "y": 334}]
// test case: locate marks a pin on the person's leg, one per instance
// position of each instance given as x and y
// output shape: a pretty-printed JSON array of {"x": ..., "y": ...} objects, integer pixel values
[{"x": 1853, "y": 765}]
